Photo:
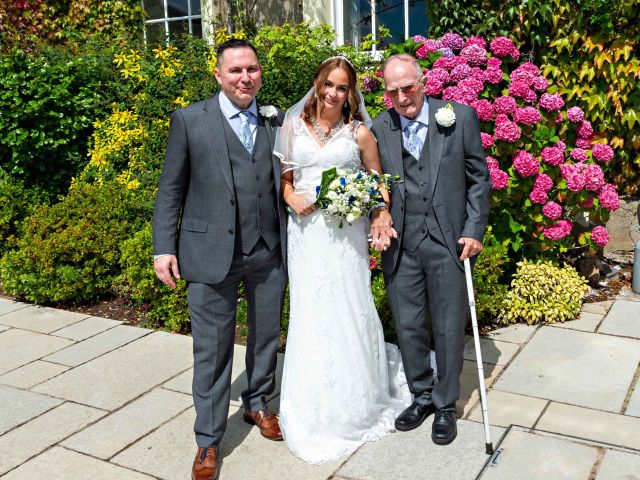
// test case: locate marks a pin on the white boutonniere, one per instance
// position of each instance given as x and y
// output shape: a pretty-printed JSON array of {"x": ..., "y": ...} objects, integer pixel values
[
  {"x": 268, "y": 111},
  {"x": 445, "y": 116}
]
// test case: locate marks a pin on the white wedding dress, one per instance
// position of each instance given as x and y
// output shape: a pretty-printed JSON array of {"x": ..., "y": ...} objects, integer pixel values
[{"x": 342, "y": 385}]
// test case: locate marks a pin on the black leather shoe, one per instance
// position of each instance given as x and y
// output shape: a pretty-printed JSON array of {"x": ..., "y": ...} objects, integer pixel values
[
  {"x": 413, "y": 416},
  {"x": 443, "y": 430}
]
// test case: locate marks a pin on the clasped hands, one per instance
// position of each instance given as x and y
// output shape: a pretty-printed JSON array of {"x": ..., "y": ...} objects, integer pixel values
[{"x": 382, "y": 231}]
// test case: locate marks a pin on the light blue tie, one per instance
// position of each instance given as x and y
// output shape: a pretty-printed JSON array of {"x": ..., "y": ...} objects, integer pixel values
[
  {"x": 245, "y": 131},
  {"x": 413, "y": 142}
]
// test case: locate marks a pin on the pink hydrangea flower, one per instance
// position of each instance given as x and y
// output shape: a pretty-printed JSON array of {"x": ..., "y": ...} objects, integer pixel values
[
  {"x": 505, "y": 104},
  {"x": 525, "y": 164},
  {"x": 419, "y": 39},
  {"x": 434, "y": 87},
  {"x": 531, "y": 96},
  {"x": 466, "y": 95},
  {"x": 527, "y": 116},
  {"x": 579, "y": 155},
  {"x": 507, "y": 131},
  {"x": 594, "y": 177},
  {"x": 561, "y": 145},
  {"x": 493, "y": 76},
  {"x": 479, "y": 41},
  {"x": 492, "y": 162},
  {"x": 499, "y": 179},
  {"x": 585, "y": 130},
  {"x": 587, "y": 203},
  {"x": 518, "y": 89},
  {"x": 574, "y": 176},
  {"x": 494, "y": 62},
  {"x": 379, "y": 73},
  {"x": 451, "y": 93},
  {"x": 439, "y": 74},
  {"x": 559, "y": 230},
  {"x": 529, "y": 67},
  {"x": 472, "y": 83},
  {"x": 523, "y": 76},
  {"x": 453, "y": 41},
  {"x": 608, "y": 197},
  {"x": 602, "y": 152},
  {"x": 540, "y": 83},
  {"x": 502, "y": 47},
  {"x": 475, "y": 55},
  {"x": 444, "y": 62},
  {"x": 448, "y": 53},
  {"x": 538, "y": 196},
  {"x": 487, "y": 141},
  {"x": 422, "y": 52},
  {"x": 460, "y": 72},
  {"x": 478, "y": 74},
  {"x": 543, "y": 182},
  {"x": 575, "y": 114},
  {"x": 583, "y": 143},
  {"x": 552, "y": 155},
  {"x": 559, "y": 118},
  {"x": 484, "y": 109},
  {"x": 600, "y": 236},
  {"x": 551, "y": 102},
  {"x": 387, "y": 101},
  {"x": 433, "y": 45},
  {"x": 370, "y": 83},
  {"x": 552, "y": 210}
]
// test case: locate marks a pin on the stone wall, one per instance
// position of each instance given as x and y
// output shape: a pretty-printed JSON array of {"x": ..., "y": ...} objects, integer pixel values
[{"x": 620, "y": 247}]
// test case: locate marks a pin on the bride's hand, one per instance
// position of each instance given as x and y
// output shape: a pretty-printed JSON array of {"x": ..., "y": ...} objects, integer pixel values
[{"x": 299, "y": 203}]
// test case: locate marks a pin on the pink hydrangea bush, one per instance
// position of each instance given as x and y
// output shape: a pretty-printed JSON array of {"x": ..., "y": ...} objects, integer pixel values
[{"x": 545, "y": 164}]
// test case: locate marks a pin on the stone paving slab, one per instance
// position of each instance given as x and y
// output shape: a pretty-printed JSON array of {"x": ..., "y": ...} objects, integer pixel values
[
  {"x": 113, "y": 433},
  {"x": 493, "y": 351},
  {"x": 517, "y": 333},
  {"x": 58, "y": 464},
  {"x": 469, "y": 391},
  {"x": 33, "y": 437},
  {"x": 41, "y": 319},
  {"x": 86, "y": 328},
  {"x": 98, "y": 345},
  {"x": 19, "y": 406},
  {"x": 618, "y": 465},
  {"x": 527, "y": 456},
  {"x": 600, "y": 308},
  {"x": 634, "y": 402},
  {"x": 506, "y": 409},
  {"x": 627, "y": 294},
  {"x": 14, "y": 352},
  {"x": 3, "y": 328},
  {"x": 586, "y": 322},
  {"x": 412, "y": 455},
  {"x": 561, "y": 365},
  {"x": 590, "y": 424},
  {"x": 623, "y": 319},
  {"x": 32, "y": 374},
  {"x": 110, "y": 381},
  {"x": 7, "y": 306}
]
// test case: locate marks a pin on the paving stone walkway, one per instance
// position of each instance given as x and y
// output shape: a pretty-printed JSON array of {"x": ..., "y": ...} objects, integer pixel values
[{"x": 89, "y": 398}]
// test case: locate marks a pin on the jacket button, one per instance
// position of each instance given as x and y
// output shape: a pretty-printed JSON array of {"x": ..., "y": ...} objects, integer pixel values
[
  {"x": 230, "y": 232},
  {"x": 232, "y": 202},
  {"x": 259, "y": 195},
  {"x": 257, "y": 177},
  {"x": 420, "y": 168},
  {"x": 424, "y": 199}
]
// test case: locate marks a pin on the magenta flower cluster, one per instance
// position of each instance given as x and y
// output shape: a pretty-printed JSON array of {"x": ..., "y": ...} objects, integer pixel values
[{"x": 600, "y": 236}]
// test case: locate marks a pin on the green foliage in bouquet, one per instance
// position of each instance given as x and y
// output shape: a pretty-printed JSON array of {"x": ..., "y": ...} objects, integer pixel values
[
  {"x": 70, "y": 252},
  {"x": 543, "y": 292}
]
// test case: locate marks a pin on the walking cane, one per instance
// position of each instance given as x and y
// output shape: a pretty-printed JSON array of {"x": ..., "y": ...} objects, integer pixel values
[{"x": 476, "y": 341}]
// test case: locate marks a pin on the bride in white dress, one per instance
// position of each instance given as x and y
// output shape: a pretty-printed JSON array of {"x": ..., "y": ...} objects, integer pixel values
[{"x": 342, "y": 385}]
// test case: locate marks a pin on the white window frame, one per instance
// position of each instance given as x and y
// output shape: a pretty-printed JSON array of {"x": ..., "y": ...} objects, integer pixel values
[
  {"x": 167, "y": 20},
  {"x": 337, "y": 18}
]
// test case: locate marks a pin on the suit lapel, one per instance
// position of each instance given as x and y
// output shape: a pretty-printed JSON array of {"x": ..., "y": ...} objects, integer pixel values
[
  {"x": 393, "y": 136},
  {"x": 265, "y": 127},
  {"x": 218, "y": 139},
  {"x": 435, "y": 142}
]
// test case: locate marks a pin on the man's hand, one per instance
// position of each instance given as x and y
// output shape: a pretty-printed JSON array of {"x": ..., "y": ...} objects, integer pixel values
[
  {"x": 166, "y": 268},
  {"x": 471, "y": 247},
  {"x": 382, "y": 230}
]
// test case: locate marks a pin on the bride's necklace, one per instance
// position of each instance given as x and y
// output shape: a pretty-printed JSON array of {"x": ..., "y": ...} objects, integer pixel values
[{"x": 321, "y": 134}]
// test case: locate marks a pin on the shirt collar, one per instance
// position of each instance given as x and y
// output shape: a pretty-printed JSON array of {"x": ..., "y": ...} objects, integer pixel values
[
  {"x": 423, "y": 116},
  {"x": 230, "y": 109}
]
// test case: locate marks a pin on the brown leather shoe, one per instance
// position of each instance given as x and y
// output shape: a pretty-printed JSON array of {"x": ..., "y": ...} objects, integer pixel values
[
  {"x": 205, "y": 465},
  {"x": 266, "y": 421}
]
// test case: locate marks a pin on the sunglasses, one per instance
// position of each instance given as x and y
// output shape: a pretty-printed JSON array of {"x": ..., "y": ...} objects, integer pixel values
[{"x": 406, "y": 90}]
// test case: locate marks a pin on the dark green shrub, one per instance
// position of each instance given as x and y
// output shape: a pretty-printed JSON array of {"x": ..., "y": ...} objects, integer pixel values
[
  {"x": 70, "y": 252},
  {"x": 488, "y": 273}
]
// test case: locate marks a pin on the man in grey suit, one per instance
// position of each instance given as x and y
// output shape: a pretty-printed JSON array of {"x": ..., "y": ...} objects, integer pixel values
[
  {"x": 218, "y": 221},
  {"x": 439, "y": 214}
]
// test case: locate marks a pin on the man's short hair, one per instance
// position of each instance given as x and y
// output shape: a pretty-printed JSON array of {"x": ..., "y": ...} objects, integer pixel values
[
  {"x": 233, "y": 43},
  {"x": 403, "y": 57}
]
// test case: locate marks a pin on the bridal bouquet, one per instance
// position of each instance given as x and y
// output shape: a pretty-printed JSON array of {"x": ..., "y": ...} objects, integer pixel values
[{"x": 349, "y": 196}]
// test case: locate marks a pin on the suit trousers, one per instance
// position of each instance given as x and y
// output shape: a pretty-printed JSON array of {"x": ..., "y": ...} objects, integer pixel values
[
  {"x": 427, "y": 283},
  {"x": 213, "y": 321}
]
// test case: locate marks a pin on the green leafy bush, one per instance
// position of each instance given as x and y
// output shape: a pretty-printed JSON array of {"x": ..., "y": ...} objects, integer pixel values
[
  {"x": 488, "y": 273},
  {"x": 543, "y": 292},
  {"x": 70, "y": 252}
]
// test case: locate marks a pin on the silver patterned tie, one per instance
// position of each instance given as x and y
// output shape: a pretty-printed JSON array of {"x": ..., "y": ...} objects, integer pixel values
[
  {"x": 413, "y": 142},
  {"x": 245, "y": 131}
]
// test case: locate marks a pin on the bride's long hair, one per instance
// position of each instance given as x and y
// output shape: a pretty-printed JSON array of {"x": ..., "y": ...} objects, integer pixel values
[{"x": 351, "y": 108}]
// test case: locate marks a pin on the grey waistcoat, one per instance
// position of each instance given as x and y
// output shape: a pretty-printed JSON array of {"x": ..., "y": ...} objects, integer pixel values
[
  {"x": 256, "y": 206},
  {"x": 419, "y": 216}
]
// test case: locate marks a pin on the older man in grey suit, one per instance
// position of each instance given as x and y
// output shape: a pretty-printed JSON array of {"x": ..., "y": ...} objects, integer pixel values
[
  {"x": 439, "y": 213},
  {"x": 219, "y": 221}
]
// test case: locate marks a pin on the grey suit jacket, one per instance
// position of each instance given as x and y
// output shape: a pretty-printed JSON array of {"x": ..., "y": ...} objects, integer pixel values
[
  {"x": 195, "y": 212},
  {"x": 458, "y": 175}
]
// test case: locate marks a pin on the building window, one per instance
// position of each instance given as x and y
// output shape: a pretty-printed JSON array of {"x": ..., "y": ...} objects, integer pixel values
[
  {"x": 356, "y": 18},
  {"x": 168, "y": 19}
]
